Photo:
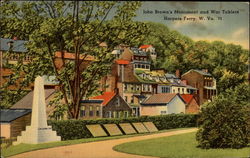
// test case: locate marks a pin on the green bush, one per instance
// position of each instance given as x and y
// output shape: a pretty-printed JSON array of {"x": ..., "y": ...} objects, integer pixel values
[
  {"x": 76, "y": 129},
  {"x": 223, "y": 123}
]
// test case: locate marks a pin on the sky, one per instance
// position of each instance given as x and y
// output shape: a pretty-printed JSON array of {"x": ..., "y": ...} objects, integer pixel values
[{"x": 230, "y": 27}]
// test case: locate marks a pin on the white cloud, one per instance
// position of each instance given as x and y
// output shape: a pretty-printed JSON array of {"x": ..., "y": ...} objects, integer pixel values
[{"x": 240, "y": 33}]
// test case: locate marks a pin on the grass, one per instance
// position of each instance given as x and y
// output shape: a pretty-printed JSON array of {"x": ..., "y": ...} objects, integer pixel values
[
  {"x": 178, "y": 146},
  {"x": 21, "y": 148}
]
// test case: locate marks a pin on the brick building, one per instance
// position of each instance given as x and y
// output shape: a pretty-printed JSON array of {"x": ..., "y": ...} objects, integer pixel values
[
  {"x": 203, "y": 81},
  {"x": 192, "y": 107}
]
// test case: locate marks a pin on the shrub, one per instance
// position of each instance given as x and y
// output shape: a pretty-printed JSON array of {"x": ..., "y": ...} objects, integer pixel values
[
  {"x": 76, "y": 129},
  {"x": 223, "y": 123}
]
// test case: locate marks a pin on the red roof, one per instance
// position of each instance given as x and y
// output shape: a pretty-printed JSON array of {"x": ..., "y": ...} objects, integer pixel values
[
  {"x": 106, "y": 97},
  {"x": 187, "y": 97},
  {"x": 145, "y": 46},
  {"x": 122, "y": 62}
]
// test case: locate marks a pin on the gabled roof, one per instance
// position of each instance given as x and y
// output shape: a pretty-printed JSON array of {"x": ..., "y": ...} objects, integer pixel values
[
  {"x": 170, "y": 76},
  {"x": 126, "y": 54},
  {"x": 198, "y": 71},
  {"x": 122, "y": 62},
  {"x": 18, "y": 45},
  {"x": 145, "y": 46},
  {"x": 106, "y": 97},
  {"x": 68, "y": 55},
  {"x": 8, "y": 115},
  {"x": 26, "y": 101},
  {"x": 187, "y": 97},
  {"x": 160, "y": 99}
]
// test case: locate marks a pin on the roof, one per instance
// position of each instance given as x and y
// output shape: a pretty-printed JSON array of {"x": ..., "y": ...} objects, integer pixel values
[
  {"x": 92, "y": 101},
  {"x": 106, "y": 97},
  {"x": 137, "y": 51},
  {"x": 187, "y": 97},
  {"x": 8, "y": 115},
  {"x": 198, "y": 71},
  {"x": 68, "y": 55},
  {"x": 18, "y": 45},
  {"x": 169, "y": 76},
  {"x": 122, "y": 62},
  {"x": 27, "y": 101},
  {"x": 159, "y": 99},
  {"x": 145, "y": 46},
  {"x": 126, "y": 54}
]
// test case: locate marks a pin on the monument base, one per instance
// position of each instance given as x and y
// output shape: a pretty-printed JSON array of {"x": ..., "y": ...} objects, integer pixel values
[{"x": 37, "y": 135}]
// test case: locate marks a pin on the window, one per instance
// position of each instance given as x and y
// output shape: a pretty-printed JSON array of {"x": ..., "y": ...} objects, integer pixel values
[
  {"x": 182, "y": 90},
  {"x": 132, "y": 99},
  {"x": 137, "y": 87},
  {"x": 97, "y": 111},
  {"x": 143, "y": 87},
  {"x": 149, "y": 87},
  {"x": 125, "y": 87},
  {"x": 91, "y": 113},
  {"x": 119, "y": 114},
  {"x": 82, "y": 111},
  {"x": 147, "y": 67},
  {"x": 109, "y": 114},
  {"x": 143, "y": 66},
  {"x": 125, "y": 114},
  {"x": 178, "y": 90},
  {"x": 173, "y": 90},
  {"x": 117, "y": 103},
  {"x": 114, "y": 114},
  {"x": 132, "y": 87}
]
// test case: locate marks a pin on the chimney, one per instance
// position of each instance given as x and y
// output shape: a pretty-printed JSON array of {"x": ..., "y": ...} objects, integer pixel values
[{"x": 177, "y": 73}]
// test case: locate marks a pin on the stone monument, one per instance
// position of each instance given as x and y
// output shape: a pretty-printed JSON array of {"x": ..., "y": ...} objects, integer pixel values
[{"x": 38, "y": 131}]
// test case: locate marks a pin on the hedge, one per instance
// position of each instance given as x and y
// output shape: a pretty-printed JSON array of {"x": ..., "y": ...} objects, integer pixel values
[{"x": 76, "y": 129}]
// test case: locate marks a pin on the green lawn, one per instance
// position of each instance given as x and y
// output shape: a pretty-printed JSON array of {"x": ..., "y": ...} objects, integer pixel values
[
  {"x": 21, "y": 148},
  {"x": 181, "y": 146}
]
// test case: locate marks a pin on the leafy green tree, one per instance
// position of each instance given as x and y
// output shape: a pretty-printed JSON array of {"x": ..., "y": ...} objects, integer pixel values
[
  {"x": 170, "y": 46},
  {"x": 226, "y": 62},
  {"x": 229, "y": 79},
  {"x": 224, "y": 122},
  {"x": 197, "y": 57},
  {"x": 78, "y": 27}
]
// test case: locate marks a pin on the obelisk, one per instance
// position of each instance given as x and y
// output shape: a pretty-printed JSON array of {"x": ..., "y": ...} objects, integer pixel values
[{"x": 38, "y": 131}]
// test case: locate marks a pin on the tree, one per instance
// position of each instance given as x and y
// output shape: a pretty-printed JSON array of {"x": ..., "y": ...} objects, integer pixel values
[
  {"x": 197, "y": 57},
  {"x": 229, "y": 79},
  {"x": 224, "y": 122},
  {"x": 170, "y": 46},
  {"x": 78, "y": 27}
]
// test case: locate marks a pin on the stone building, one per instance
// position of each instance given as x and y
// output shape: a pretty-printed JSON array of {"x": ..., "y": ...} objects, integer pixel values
[{"x": 107, "y": 105}]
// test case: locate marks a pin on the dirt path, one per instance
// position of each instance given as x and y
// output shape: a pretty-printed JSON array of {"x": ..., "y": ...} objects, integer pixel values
[{"x": 100, "y": 149}]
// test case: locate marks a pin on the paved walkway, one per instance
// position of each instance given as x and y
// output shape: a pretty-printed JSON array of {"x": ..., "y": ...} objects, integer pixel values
[{"x": 100, "y": 149}]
